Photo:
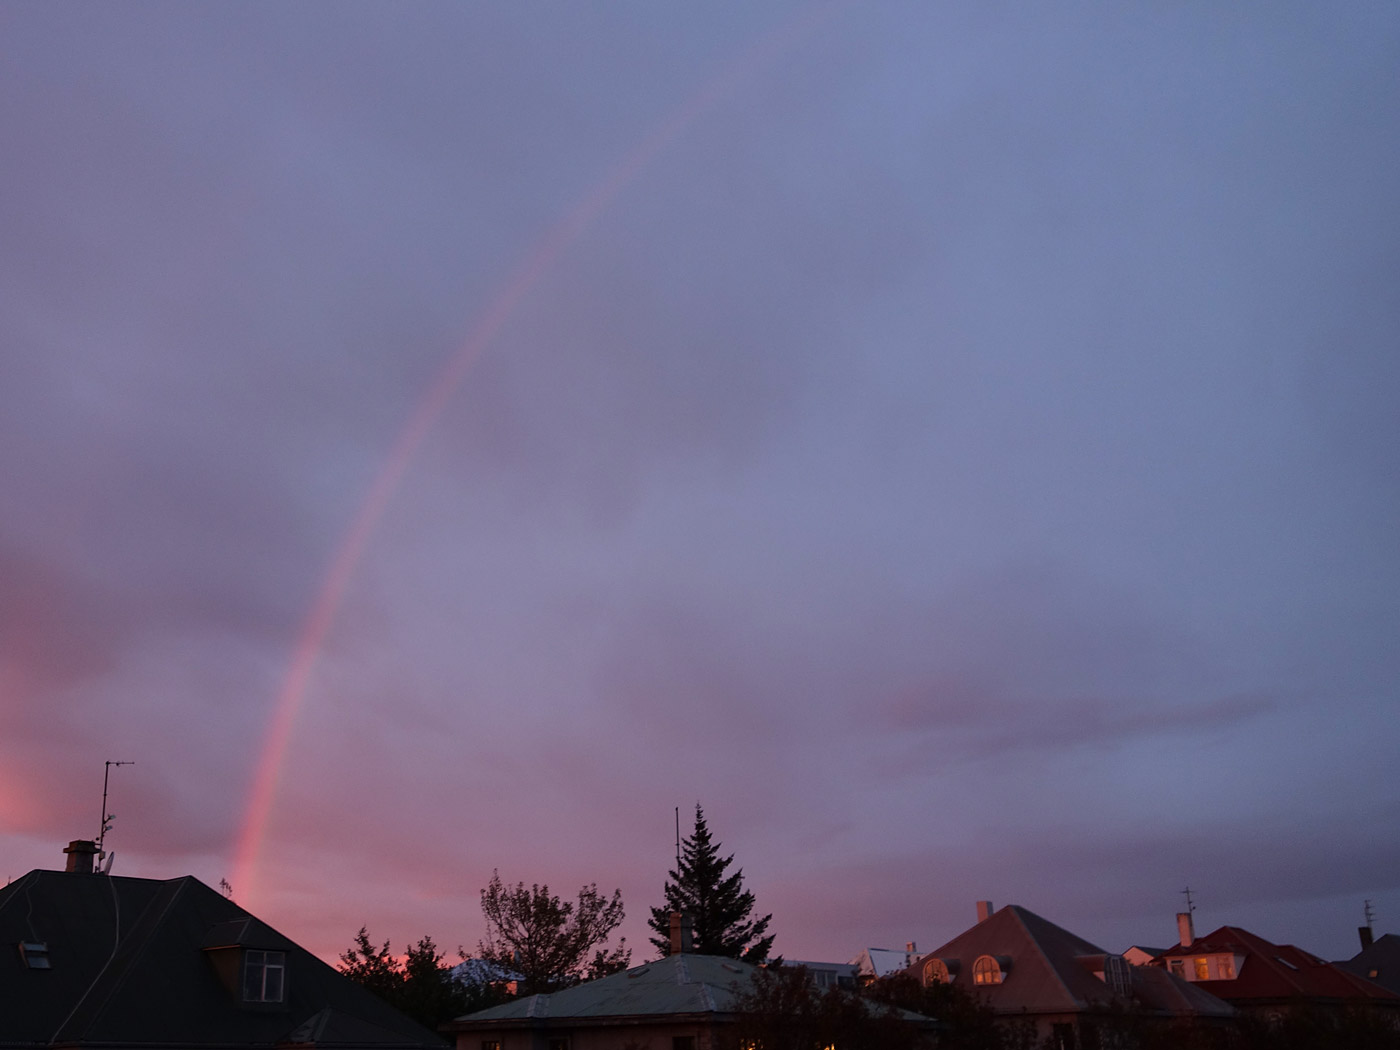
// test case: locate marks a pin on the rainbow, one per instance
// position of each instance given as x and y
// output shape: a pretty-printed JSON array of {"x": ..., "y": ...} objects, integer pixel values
[{"x": 543, "y": 255}]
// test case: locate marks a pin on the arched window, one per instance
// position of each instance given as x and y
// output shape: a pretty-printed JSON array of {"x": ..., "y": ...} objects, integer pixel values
[
  {"x": 986, "y": 970},
  {"x": 936, "y": 972},
  {"x": 1118, "y": 975}
]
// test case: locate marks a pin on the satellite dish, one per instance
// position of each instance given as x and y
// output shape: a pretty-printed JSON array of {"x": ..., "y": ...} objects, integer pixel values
[{"x": 107, "y": 866}]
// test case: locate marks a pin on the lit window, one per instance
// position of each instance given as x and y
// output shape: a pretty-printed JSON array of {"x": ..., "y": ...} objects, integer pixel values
[
  {"x": 1225, "y": 968},
  {"x": 490, "y": 1044},
  {"x": 264, "y": 976},
  {"x": 1202, "y": 969},
  {"x": 935, "y": 972},
  {"x": 986, "y": 970}
]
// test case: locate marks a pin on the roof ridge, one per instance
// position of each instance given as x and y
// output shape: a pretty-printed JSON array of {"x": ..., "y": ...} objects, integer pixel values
[{"x": 1020, "y": 914}]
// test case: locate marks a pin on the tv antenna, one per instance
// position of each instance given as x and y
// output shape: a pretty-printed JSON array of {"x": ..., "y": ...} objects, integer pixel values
[
  {"x": 678, "y": 842},
  {"x": 1190, "y": 904},
  {"x": 1369, "y": 912},
  {"x": 107, "y": 818}
]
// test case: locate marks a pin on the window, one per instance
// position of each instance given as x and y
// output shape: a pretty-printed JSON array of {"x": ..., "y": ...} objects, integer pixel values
[
  {"x": 1177, "y": 967},
  {"x": 264, "y": 976},
  {"x": 1118, "y": 975},
  {"x": 986, "y": 970},
  {"x": 1202, "y": 969},
  {"x": 1225, "y": 968},
  {"x": 490, "y": 1044},
  {"x": 935, "y": 972},
  {"x": 35, "y": 954}
]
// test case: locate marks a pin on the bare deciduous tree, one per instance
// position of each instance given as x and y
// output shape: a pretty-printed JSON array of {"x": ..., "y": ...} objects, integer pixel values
[{"x": 546, "y": 941}]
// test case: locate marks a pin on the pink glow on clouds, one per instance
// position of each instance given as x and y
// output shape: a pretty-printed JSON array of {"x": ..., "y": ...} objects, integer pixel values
[
  {"x": 955, "y": 443},
  {"x": 352, "y": 548}
]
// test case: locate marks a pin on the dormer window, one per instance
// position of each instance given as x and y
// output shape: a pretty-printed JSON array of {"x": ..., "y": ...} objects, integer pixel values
[
  {"x": 35, "y": 954},
  {"x": 1117, "y": 974},
  {"x": 987, "y": 970},
  {"x": 936, "y": 972},
  {"x": 264, "y": 976}
]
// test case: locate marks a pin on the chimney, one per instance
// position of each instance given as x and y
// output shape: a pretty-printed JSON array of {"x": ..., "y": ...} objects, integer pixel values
[
  {"x": 682, "y": 940},
  {"x": 80, "y": 853},
  {"x": 984, "y": 910},
  {"x": 911, "y": 953},
  {"x": 1185, "y": 929},
  {"x": 1366, "y": 936}
]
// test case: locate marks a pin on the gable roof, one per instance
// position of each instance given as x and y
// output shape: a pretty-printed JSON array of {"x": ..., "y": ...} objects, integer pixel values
[
  {"x": 677, "y": 987},
  {"x": 1277, "y": 971},
  {"x": 881, "y": 962},
  {"x": 132, "y": 961}
]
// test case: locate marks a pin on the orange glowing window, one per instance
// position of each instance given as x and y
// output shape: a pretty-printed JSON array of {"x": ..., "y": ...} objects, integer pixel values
[
  {"x": 1202, "y": 969},
  {"x": 935, "y": 972},
  {"x": 986, "y": 970}
]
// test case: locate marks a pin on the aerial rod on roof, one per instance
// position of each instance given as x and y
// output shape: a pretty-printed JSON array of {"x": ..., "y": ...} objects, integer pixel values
[
  {"x": 1190, "y": 904},
  {"x": 678, "y": 842},
  {"x": 1369, "y": 912},
  {"x": 106, "y": 824}
]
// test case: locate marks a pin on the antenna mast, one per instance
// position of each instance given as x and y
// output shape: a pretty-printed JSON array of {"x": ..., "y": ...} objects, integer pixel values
[
  {"x": 1190, "y": 905},
  {"x": 106, "y": 824},
  {"x": 678, "y": 842}
]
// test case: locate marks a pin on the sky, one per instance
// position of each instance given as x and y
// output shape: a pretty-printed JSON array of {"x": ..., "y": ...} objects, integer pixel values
[{"x": 955, "y": 443}]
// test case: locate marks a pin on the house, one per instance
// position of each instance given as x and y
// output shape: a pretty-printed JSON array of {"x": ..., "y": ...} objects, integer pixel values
[
  {"x": 1378, "y": 960},
  {"x": 683, "y": 1001},
  {"x": 680, "y": 1002},
  {"x": 824, "y": 975},
  {"x": 95, "y": 960},
  {"x": 1141, "y": 955},
  {"x": 1032, "y": 972},
  {"x": 873, "y": 963},
  {"x": 1256, "y": 975}
]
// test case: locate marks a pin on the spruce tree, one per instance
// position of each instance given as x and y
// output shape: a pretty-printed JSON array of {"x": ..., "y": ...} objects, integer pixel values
[{"x": 718, "y": 905}]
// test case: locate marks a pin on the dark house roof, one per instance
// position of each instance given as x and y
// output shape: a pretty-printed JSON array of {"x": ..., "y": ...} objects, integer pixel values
[
  {"x": 681, "y": 987},
  {"x": 90, "y": 960},
  {"x": 1277, "y": 973},
  {"x": 1380, "y": 962},
  {"x": 1051, "y": 971}
]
